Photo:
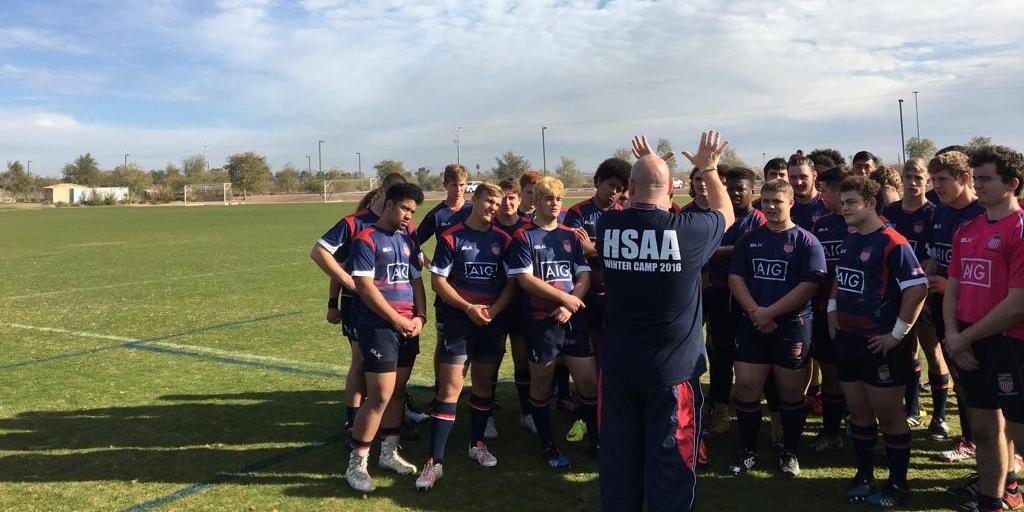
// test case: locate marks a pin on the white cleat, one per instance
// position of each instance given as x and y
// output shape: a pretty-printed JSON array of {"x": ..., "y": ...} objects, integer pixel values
[
  {"x": 390, "y": 459},
  {"x": 490, "y": 431},
  {"x": 356, "y": 475},
  {"x": 526, "y": 421},
  {"x": 482, "y": 456},
  {"x": 431, "y": 474}
]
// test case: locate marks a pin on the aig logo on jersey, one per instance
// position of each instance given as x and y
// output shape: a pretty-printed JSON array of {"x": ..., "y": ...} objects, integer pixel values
[
  {"x": 942, "y": 253},
  {"x": 772, "y": 270},
  {"x": 551, "y": 271},
  {"x": 976, "y": 272},
  {"x": 831, "y": 249},
  {"x": 398, "y": 273},
  {"x": 850, "y": 280},
  {"x": 480, "y": 270}
]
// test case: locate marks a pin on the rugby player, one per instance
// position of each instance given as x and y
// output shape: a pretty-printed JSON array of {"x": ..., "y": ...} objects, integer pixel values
[
  {"x": 546, "y": 260},
  {"x": 864, "y": 163},
  {"x": 774, "y": 169},
  {"x": 983, "y": 309},
  {"x": 385, "y": 264},
  {"x": 808, "y": 207},
  {"x": 774, "y": 273},
  {"x": 654, "y": 348},
  {"x": 879, "y": 291},
  {"x": 467, "y": 273},
  {"x": 890, "y": 186}
]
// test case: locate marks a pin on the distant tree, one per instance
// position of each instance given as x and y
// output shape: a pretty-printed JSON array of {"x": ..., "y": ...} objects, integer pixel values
[
  {"x": 510, "y": 165},
  {"x": 978, "y": 142},
  {"x": 287, "y": 179},
  {"x": 132, "y": 177},
  {"x": 624, "y": 153},
  {"x": 427, "y": 180},
  {"x": 385, "y": 167},
  {"x": 84, "y": 171},
  {"x": 218, "y": 175},
  {"x": 730, "y": 158},
  {"x": 194, "y": 168},
  {"x": 920, "y": 148},
  {"x": 664, "y": 146},
  {"x": 569, "y": 174},
  {"x": 249, "y": 172},
  {"x": 16, "y": 180}
]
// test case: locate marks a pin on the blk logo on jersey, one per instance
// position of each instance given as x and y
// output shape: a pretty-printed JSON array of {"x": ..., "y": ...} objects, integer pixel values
[
  {"x": 850, "y": 280},
  {"x": 480, "y": 270},
  {"x": 551, "y": 271},
  {"x": 398, "y": 273},
  {"x": 646, "y": 245},
  {"x": 772, "y": 270},
  {"x": 976, "y": 272}
]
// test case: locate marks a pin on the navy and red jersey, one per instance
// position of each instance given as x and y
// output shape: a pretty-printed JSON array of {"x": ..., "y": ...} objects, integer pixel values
[
  {"x": 830, "y": 231},
  {"x": 337, "y": 239},
  {"x": 675, "y": 208},
  {"x": 439, "y": 219},
  {"x": 719, "y": 271},
  {"x": 521, "y": 221},
  {"x": 945, "y": 223},
  {"x": 914, "y": 225},
  {"x": 871, "y": 274},
  {"x": 988, "y": 260},
  {"x": 933, "y": 197},
  {"x": 806, "y": 214},
  {"x": 584, "y": 215},
  {"x": 693, "y": 207},
  {"x": 652, "y": 259},
  {"x": 392, "y": 259},
  {"x": 473, "y": 262},
  {"x": 555, "y": 257},
  {"x": 773, "y": 263}
]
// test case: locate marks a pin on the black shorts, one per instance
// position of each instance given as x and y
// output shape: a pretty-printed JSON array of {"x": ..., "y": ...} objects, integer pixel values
[
  {"x": 385, "y": 351},
  {"x": 516, "y": 316},
  {"x": 594, "y": 312},
  {"x": 719, "y": 309},
  {"x": 439, "y": 318},
  {"x": 934, "y": 306},
  {"x": 788, "y": 347},
  {"x": 997, "y": 383},
  {"x": 348, "y": 306},
  {"x": 824, "y": 345},
  {"x": 893, "y": 369},
  {"x": 546, "y": 339},
  {"x": 465, "y": 340}
]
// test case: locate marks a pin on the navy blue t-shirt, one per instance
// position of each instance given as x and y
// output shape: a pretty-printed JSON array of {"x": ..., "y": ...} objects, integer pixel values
[
  {"x": 719, "y": 271},
  {"x": 915, "y": 226},
  {"x": 439, "y": 219},
  {"x": 773, "y": 263},
  {"x": 652, "y": 261},
  {"x": 806, "y": 214},
  {"x": 944, "y": 225},
  {"x": 830, "y": 231}
]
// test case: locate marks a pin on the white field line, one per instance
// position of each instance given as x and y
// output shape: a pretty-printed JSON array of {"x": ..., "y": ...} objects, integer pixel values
[
  {"x": 80, "y": 334},
  {"x": 150, "y": 281},
  {"x": 247, "y": 357}
]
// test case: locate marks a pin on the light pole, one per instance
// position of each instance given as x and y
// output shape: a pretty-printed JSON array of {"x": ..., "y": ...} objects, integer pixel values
[
  {"x": 458, "y": 148},
  {"x": 29, "y": 171},
  {"x": 309, "y": 166},
  {"x": 206, "y": 163},
  {"x": 320, "y": 156},
  {"x": 917, "y": 116},
  {"x": 764, "y": 159},
  {"x": 544, "y": 149},
  {"x": 360, "y": 157},
  {"x": 903, "y": 141},
  {"x": 126, "y": 155}
]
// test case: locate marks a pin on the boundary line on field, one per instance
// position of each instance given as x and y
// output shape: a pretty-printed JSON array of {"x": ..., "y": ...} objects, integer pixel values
[
  {"x": 223, "y": 478},
  {"x": 233, "y": 360},
  {"x": 132, "y": 343}
]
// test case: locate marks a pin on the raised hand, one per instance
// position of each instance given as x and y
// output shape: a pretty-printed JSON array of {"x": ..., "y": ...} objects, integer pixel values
[
  {"x": 642, "y": 148},
  {"x": 710, "y": 150}
]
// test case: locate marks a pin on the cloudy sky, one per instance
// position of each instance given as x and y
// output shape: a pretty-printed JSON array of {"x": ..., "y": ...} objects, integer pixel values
[{"x": 159, "y": 79}]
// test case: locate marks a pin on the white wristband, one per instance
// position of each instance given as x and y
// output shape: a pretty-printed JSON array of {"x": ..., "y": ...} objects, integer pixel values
[
  {"x": 901, "y": 329},
  {"x": 832, "y": 306}
]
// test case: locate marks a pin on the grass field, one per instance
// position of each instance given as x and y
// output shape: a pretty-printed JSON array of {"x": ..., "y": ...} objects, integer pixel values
[{"x": 177, "y": 358}]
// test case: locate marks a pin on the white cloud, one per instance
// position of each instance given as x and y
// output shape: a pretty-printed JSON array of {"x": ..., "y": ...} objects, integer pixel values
[{"x": 27, "y": 37}]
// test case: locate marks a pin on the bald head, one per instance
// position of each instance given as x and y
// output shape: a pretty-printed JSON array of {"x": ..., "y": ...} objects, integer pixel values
[{"x": 650, "y": 181}]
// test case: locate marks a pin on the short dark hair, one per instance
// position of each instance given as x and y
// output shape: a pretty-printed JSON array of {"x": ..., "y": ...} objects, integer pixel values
[
  {"x": 778, "y": 163},
  {"x": 887, "y": 176},
  {"x": 864, "y": 187},
  {"x": 613, "y": 168},
  {"x": 863, "y": 156},
  {"x": 833, "y": 176},
  {"x": 955, "y": 162},
  {"x": 510, "y": 185},
  {"x": 402, "y": 191},
  {"x": 741, "y": 173},
  {"x": 819, "y": 156},
  {"x": 797, "y": 159},
  {"x": 1009, "y": 163},
  {"x": 955, "y": 147}
]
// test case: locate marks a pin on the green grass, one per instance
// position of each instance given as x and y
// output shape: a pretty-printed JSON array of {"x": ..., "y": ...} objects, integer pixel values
[{"x": 113, "y": 425}]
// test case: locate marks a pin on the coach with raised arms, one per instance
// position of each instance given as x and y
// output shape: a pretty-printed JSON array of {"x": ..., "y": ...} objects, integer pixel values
[{"x": 654, "y": 345}]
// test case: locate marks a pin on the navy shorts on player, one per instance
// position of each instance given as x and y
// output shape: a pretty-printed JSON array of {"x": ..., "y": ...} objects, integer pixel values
[
  {"x": 594, "y": 312},
  {"x": 649, "y": 438},
  {"x": 385, "y": 351},
  {"x": 997, "y": 383},
  {"x": 348, "y": 306},
  {"x": 893, "y": 369},
  {"x": 824, "y": 346},
  {"x": 547, "y": 339},
  {"x": 465, "y": 340},
  {"x": 788, "y": 347}
]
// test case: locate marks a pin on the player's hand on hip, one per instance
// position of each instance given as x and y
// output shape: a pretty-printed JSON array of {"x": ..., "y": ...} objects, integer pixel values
[
  {"x": 333, "y": 315},
  {"x": 709, "y": 152},
  {"x": 882, "y": 343},
  {"x": 966, "y": 360},
  {"x": 561, "y": 315}
]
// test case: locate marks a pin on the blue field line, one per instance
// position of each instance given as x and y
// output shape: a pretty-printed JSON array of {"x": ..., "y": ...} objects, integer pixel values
[
  {"x": 234, "y": 361},
  {"x": 137, "y": 343},
  {"x": 224, "y": 478}
]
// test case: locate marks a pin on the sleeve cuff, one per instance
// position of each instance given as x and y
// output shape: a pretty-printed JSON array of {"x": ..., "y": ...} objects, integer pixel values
[
  {"x": 443, "y": 272},
  {"x": 524, "y": 270},
  {"x": 363, "y": 273},
  {"x": 327, "y": 245},
  {"x": 913, "y": 282}
]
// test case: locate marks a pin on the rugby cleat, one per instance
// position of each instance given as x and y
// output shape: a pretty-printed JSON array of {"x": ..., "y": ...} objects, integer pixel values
[
  {"x": 526, "y": 421},
  {"x": 577, "y": 433},
  {"x": 482, "y": 456},
  {"x": 356, "y": 475},
  {"x": 746, "y": 461},
  {"x": 824, "y": 441},
  {"x": 555, "y": 460},
  {"x": 938, "y": 430},
  {"x": 490, "y": 431},
  {"x": 390, "y": 459},
  {"x": 789, "y": 466},
  {"x": 431, "y": 474},
  {"x": 962, "y": 451},
  {"x": 889, "y": 496},
  {"x": 859, "y": 490}
]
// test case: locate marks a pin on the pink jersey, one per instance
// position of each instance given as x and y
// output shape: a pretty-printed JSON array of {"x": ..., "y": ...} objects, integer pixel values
[{"x": 988, "y": 259}]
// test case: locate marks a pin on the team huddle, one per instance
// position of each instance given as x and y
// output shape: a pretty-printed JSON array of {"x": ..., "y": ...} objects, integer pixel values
[{"x": 819, "y": 296}]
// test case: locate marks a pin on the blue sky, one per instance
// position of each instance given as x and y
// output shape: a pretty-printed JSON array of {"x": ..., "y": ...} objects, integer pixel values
[{"x": 391, "y": 79}]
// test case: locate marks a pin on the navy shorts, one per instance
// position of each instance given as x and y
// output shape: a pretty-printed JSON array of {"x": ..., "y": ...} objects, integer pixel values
[
  {"x": 824, "y": 345},
  {"x": 348, "y": 306},
  {"x": 465, "y": 340},
  {"x": 385, "y": 351},
  {"x": 649, "y": 440},
  {"x": 719, "y": 308},
  {"x": 891, "y": 370},
  {"x": 788, "y": 347},
  {"x": 547, "y": 339},
  {"x": 439, "y": 318},
  {"x": 997, "y": 383},
  {"x": 934, "y": 306},
  {"x": 594, "y": 312}
]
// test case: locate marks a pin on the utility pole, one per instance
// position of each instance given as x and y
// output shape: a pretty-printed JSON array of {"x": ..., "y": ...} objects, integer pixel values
[
  {"x": 917, "y": 116},
  {"x": 903, "y": 140},
  {"x": 458, "y": 148},
  {"x": 544, "y": 149},
  {"x": 360, "y": 157},
  {"x": 320, "y": 156}
]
